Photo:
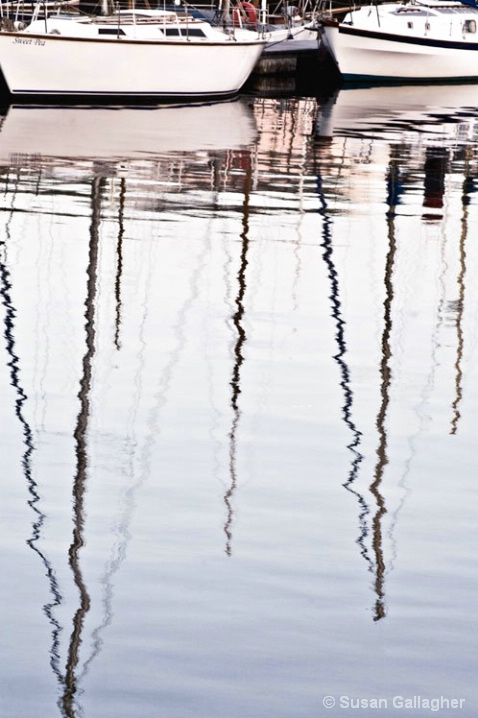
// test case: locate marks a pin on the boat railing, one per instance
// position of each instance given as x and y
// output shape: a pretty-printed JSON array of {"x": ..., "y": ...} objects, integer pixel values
[
  {"x": 339, "y": 8},
  {"x": 16, "y": 14},
  {"x": 230, "y": 15},
  {"x": 261, "y": 15}
]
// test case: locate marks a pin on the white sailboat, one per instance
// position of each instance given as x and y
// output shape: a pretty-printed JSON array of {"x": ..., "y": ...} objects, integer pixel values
[
  {"x": 405, "y": 41},
  {"x": 128, "y": 54}
]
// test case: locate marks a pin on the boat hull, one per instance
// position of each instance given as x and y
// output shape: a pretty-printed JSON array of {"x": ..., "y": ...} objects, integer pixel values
[
  {"x": 363, "y": 55},
  {"x": 52, "y": 65}
]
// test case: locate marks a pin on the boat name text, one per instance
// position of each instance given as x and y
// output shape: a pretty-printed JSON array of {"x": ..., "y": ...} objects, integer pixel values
[{"x": 29, "y": 41}]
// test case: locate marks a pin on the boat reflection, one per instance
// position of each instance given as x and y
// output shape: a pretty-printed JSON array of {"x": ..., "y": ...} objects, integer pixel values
[
  {"x": 234, "y": 319},
  {"x": 91, "y": 146},
  {"x": 425, "y": 138},
  {"x": 438, "y": 111},
  {"x": 119, "y": 136}
]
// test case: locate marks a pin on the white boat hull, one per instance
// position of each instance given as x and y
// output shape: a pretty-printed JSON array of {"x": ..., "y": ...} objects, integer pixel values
[
  {"x": 39, "y": 65},
  {"x": 363, "y": 54}
]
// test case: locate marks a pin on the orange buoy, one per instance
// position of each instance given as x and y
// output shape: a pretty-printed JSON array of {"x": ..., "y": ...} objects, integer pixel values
[{"x": 244, "y": 13}]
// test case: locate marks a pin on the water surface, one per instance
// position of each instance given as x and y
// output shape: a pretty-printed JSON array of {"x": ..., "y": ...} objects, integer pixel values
[{"x": 239, "y": 403}]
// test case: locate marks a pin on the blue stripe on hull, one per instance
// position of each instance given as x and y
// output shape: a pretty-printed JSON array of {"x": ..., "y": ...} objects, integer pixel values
[
  {"x": 76, "y": 93},
  {"x": 79, "y": 98},
  {"x": 365, "y": 80}
]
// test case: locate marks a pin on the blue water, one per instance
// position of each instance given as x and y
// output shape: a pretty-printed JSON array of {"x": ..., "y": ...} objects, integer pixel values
[{"x": 239, "y": 402}]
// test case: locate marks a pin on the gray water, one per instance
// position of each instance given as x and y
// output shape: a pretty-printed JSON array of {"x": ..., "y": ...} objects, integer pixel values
[{"x": 239, "y": 408}]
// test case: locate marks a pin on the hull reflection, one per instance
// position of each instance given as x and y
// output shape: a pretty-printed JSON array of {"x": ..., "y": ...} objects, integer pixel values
[
  {"x": 88, "y": 147},
  {"x": 441, "y": 111},
  {"x": 41, "y": 135}
]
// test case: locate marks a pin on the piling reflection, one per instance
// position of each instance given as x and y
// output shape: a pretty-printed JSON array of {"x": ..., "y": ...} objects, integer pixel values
[{"x": 435, "y": 169}]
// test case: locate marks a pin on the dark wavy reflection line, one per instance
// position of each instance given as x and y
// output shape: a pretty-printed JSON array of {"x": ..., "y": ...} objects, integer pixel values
[
  {"x": 119, "y": 263},
  {"x": 423, "y": 418},
  {"x": 79, "y": 482},
  {"x": 386, "y": 376},
  {"x": 345, "y": 379},
  {"x": 297, "y": 243},
  {"x": 215, "y": 165},
  {"x": 34, "y": 500},
  {"x": 118, "y": 552},
  {"x": 235, "y": 382},
  {"x": 121, "y": 528},
  {"x": 460, "y": 306},
  {"x": 118, "y": 555}
]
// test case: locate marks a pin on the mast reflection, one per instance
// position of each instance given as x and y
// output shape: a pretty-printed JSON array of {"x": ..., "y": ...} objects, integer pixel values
[
  {"x": 67, "y": 701},
  {"x": 459, "y": 308},
  {"x": 29, "y": 448},
  {"x": 393, "y": 182},
  {"x": 345, "y": 378},
  {"x": 235, "y": 382},
  {"x": 119, "y": 263},
  {"x": 370, "y": 519}
]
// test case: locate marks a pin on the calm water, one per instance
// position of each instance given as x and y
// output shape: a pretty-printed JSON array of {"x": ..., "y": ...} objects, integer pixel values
[{"x": 239, "y": 408}]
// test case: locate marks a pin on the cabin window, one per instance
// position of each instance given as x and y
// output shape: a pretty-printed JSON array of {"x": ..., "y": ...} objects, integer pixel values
[
  {"x": 470, "y": 26},
  {"x": 191, "y": 32},
  {"x": 410, "y": 25},
  {"x": 110, "y": 31}
]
